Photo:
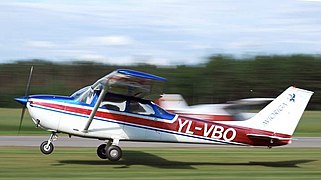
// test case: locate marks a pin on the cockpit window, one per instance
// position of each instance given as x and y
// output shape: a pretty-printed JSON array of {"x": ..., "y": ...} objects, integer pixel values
[
  {"x": 121, "y": 103},
  {"x": 140, "y": 108},
  {"x": 115, "y": 103},
  {"x": 160, "y": 110},
  {"x": 85, "y": 95},
  {"x": 79, "y": 92}
]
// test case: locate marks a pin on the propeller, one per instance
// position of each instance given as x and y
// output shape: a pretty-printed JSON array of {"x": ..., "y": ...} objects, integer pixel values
[{"x": 24, "y": 100}]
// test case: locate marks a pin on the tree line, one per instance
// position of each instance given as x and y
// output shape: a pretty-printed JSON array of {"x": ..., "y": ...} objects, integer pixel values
[{"x": 222, "y": 78}]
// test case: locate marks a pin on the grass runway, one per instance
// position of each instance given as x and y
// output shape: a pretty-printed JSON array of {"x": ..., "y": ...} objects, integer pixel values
[{"x": 162, "y": 163}]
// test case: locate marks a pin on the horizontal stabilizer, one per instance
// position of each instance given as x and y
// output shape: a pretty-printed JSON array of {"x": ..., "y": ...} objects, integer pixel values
[{"x": 267, "y": 137}]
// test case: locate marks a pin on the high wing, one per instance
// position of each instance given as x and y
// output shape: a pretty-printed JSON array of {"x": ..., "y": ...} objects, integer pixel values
[
  {"x": 127, "y": 82},
  {"x": 134, "y": 83}
]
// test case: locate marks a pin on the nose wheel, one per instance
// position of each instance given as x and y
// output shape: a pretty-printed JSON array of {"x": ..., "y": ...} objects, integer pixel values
[
  {"x": 110, "y": 152},
  {"x": 47, "y": 147}
]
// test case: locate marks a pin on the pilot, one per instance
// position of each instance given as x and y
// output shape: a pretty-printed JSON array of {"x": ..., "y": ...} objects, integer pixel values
[{"x": 135, "y": 107}]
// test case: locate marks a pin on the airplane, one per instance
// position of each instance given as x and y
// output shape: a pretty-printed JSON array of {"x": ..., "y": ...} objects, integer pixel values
[
  {"x": 237, "y": 110},
  {"x": 119, "y": 107}
]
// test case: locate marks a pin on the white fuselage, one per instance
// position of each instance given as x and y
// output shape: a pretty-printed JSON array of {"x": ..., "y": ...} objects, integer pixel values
[{"x": 116, "y": 125}]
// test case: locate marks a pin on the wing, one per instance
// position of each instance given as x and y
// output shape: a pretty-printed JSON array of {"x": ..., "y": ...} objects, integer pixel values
[
  {"x": 132, "y": 83},
  {"x": 127, "y": 82}
]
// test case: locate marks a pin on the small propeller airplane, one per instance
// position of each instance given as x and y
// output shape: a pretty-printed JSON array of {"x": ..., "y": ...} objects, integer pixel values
[{"x": 119, "y": 107}]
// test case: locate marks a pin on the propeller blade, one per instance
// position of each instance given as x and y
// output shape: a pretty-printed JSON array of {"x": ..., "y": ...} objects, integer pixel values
[
  {"x": 26, "y": 96},
  {"x": 29, "y": 80}
]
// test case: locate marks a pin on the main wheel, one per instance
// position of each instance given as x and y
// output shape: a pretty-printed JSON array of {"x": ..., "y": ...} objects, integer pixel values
[
  {"x": 114, "y": 153},
  {"x": 46, "y": 147},
  {"x": 101, "y": 151}
]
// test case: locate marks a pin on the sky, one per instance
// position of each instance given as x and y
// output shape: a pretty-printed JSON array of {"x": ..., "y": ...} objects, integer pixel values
[{"x": 159, "y": 32}]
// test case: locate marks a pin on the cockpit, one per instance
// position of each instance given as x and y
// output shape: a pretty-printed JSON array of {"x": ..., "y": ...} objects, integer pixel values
[{"x": 121, "y": 103}]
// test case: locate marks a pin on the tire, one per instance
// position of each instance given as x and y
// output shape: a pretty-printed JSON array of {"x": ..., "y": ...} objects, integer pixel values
[
  {"x": 101, "y": 151},
  {"x": 114, "y": 153},
  {"x": 46, "y": 150}
]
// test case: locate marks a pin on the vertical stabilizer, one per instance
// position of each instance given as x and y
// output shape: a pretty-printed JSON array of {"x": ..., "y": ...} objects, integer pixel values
[{"x": 283, "y": 114}]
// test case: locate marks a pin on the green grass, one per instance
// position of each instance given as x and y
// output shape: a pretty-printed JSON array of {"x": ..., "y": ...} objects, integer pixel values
[
  {"x": 310, "y": 124},
  {"x": 162, "y": 163},
  {"x": 9, "y": 123}
]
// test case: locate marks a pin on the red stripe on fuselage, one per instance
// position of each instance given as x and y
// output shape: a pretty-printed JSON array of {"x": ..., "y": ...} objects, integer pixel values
[{"x": 182, "y": 124}]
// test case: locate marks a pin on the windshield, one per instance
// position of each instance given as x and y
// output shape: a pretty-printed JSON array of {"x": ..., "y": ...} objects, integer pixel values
[
  {"x": 79, "y": 92},
  {"x": 85, "y": 95}
]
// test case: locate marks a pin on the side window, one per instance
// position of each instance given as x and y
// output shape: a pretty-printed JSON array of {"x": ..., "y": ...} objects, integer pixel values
[
  {"x": 140, "y": 108},
  {"x": 114, "y": 103},
  {"x": 163, "y": 114}
]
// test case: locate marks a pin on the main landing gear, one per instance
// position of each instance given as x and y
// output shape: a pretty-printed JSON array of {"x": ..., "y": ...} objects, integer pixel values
[
  {"x": 109, "y": 151},
  {"x": 47, "y": 147}
]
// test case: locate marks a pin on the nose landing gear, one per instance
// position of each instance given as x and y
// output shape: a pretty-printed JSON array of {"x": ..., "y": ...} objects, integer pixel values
[{"x": 47, "y": 147}]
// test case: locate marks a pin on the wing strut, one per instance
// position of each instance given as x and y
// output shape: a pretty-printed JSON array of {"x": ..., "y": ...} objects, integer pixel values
[{"x": 93, "y": 112}]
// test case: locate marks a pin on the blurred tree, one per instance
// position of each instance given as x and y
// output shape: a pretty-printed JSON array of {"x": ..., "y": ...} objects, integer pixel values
[{"x": 221, "y": 79}]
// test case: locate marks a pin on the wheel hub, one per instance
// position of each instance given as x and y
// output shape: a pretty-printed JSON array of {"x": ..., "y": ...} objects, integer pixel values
[
  {"x": 114, "y": 153},
  {"x": 47, "y": 147}
]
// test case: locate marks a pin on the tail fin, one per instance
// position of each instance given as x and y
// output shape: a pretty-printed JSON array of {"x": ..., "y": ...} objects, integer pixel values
[{"x": 283, "y": 114}]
